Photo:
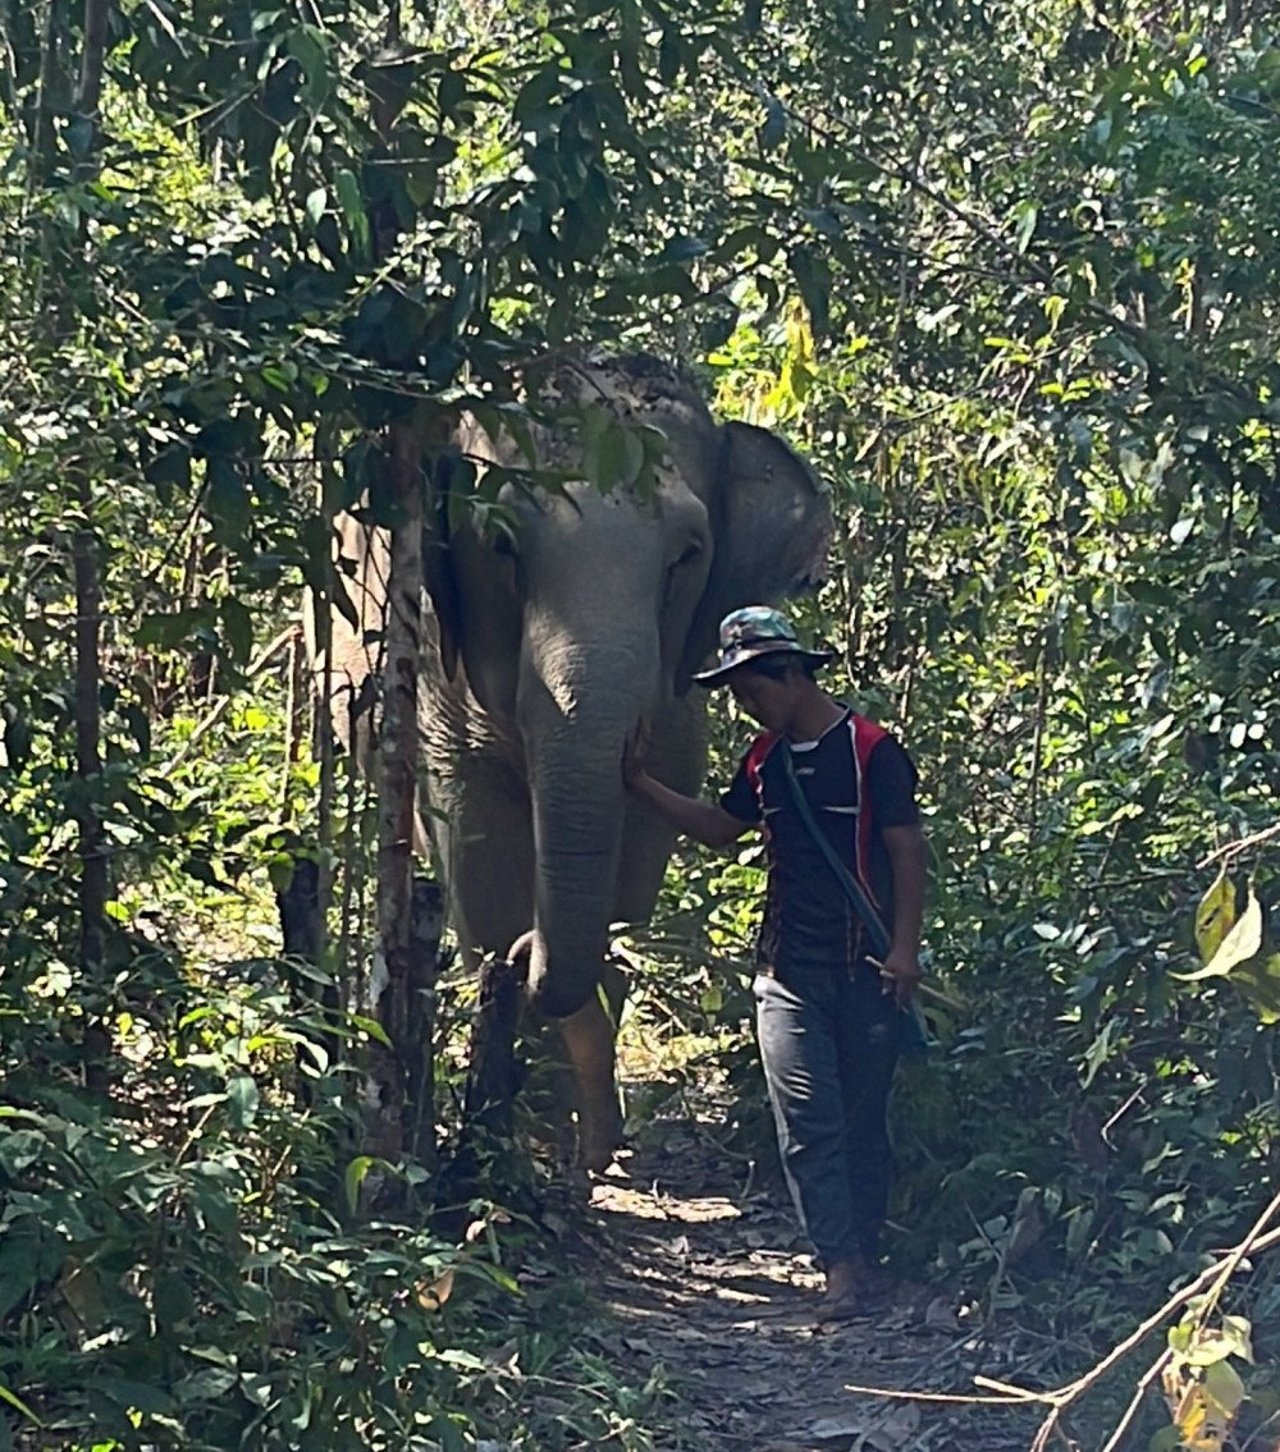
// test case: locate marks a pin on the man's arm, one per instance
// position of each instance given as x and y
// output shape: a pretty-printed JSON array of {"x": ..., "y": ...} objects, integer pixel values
[
  {"x": 908, "y": 858},
  {"x": 705, "y": 822}
]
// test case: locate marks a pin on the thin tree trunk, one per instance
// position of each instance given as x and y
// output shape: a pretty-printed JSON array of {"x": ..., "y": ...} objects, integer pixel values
[
  {"x": 426, "y": 928},
  {"x": 97, "y": 13},
  {"x": 93, "y": 861},
  {"x": 322, "y": 721},
  {"x": 294, "y": 720},
  {"x": 42, "y": 144},
  {"x": 87, "y": 569},
  {"x": 387, "y": 1103}
]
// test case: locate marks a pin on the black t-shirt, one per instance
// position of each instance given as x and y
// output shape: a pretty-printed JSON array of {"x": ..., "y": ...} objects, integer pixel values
[{"x": 857, "y": 780}]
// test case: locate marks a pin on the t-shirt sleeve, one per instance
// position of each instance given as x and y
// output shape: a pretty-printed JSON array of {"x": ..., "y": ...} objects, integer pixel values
[
  {"x": 740, "y": 800},
  {"x": 891, "y": 786}
]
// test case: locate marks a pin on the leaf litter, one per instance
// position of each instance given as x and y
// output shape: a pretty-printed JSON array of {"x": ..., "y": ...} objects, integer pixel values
[{"x": 712, "y": 1286}]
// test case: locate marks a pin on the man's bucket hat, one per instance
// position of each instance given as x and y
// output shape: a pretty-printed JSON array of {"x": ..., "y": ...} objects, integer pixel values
[{"x": 753, "y": 631}]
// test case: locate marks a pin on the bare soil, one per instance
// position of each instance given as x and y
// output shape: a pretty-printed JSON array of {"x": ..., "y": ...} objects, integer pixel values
[{"x": 703, "y": 1279}]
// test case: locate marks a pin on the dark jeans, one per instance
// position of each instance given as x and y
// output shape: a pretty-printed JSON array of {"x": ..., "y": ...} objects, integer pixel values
[{"x": 829, "y": 1040}]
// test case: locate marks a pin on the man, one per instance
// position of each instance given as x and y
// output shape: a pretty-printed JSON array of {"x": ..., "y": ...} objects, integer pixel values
[{"x": 830, "y": 994}]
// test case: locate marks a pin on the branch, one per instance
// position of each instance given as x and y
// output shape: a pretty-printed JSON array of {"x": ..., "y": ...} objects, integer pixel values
[
  {"x": 1000, "y": 1393},
  {"x": 1243, "y": 844},
  {"x": 1116, "y": 1441}
]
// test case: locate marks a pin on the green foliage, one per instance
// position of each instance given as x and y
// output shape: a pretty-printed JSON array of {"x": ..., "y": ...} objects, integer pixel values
[
  {"x": 181, "y": 1268},
  {"x": 1009, "y": 278}
]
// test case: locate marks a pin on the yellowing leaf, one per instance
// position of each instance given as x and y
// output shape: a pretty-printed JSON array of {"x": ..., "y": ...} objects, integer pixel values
[
  {"x": 1240, "y": 944},
  {"x": 1215, "y": 916},
  {"x": 1260, "y": 984},
  {"x": 432, "y": 1295}
]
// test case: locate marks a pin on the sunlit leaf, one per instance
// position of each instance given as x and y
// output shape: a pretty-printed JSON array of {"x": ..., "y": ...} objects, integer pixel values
[
  {"x": 1215, "y": 916},
  {"x": 1239, "y": 945}
]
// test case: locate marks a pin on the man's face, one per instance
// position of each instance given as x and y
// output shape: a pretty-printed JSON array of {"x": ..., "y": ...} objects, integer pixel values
[{"x": 764, "y": 699}]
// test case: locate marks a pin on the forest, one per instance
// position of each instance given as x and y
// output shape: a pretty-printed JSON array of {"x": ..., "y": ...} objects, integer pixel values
[{"x": 1007, "y": 277}]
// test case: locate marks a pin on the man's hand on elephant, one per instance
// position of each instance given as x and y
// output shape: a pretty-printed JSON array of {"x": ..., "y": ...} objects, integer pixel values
[
  {"x": 901, "y": 973},
  {"x": 634, "y": 756}
]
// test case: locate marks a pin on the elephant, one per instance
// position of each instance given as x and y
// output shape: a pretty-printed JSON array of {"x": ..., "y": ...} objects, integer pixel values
[{"x": 546, "y": 642}]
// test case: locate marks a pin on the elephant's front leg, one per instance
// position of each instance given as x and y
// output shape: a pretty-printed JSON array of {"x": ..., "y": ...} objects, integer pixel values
[{"x": 590, "y": 1045}]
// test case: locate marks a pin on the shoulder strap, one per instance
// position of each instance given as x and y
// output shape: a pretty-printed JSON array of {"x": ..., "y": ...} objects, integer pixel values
[
  {"x": 866, "y": 736},
  {"x": 755, "y": 759}
]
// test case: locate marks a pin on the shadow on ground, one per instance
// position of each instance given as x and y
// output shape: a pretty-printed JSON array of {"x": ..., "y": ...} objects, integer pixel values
[{"x": 704, "y": 1277}]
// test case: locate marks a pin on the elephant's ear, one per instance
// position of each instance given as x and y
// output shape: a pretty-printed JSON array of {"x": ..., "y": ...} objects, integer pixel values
[
  {"x": 772, "y": 526},
  {"x": 437, "y": 565}
]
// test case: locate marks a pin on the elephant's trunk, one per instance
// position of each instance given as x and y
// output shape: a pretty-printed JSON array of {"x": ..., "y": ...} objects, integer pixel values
[{"x": 578, "y": 705}]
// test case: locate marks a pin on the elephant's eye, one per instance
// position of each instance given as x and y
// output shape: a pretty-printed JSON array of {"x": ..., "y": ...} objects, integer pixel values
[{"x": 691, "y": 552}]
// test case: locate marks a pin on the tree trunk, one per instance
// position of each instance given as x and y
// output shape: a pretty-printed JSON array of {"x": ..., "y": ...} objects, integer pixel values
[
  {"x": 295, "y": 720},
  {"x": 426, "y": 928},
  {"x": 387, "y": 1105},
  {"x": 322, "y": 719},
  {"x": 93, "y": 861},
  {"x": 87, "y": 570}
]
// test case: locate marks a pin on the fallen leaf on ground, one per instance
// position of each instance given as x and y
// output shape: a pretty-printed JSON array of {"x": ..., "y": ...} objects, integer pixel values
[
  {"x": 941, "y": 1314},
  {"x": 879, "y": 1430}
]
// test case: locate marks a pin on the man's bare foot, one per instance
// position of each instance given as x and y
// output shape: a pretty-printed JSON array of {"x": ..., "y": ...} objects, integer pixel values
[
  {"x": 855, "y": 1287},
  {"x": 842, "y": 1299},
  {"x": 875, "y": 1284}
]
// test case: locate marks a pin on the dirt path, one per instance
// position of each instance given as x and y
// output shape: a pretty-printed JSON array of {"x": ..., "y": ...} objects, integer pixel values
[{"x": 710, "y": 1284}]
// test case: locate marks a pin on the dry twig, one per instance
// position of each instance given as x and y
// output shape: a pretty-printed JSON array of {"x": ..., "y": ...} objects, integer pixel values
[{"x": 1005, "y": 1394}]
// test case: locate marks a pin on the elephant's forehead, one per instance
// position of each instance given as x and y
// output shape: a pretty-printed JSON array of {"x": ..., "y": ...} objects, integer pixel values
[
  {"x": 671, "y": 497},
  {"x": 581, "y": 507},
  {"x": 633, "y": 385}
]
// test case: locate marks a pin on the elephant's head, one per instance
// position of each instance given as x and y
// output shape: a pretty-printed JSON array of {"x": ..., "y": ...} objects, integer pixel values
[{"x": 592, "y": 609}]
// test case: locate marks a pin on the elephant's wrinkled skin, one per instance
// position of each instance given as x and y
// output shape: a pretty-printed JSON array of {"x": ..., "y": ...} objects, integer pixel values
[{"x": 542, "y": 653}]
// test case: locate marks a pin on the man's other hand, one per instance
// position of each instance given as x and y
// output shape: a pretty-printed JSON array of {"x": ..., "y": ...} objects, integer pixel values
[{"x": 900, "y": 973}]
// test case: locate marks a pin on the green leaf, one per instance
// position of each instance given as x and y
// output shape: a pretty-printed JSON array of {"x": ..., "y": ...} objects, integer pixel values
[
  {"x": 774, "y": 126},
  {"x": 243, "y": 1096},
  {"x": 537, "y": 92},
  {"x": 669, "y": 55},
  {"x": 618, "y": 459},
  {"x": 317, "y": 202},
  {"x": 237, "y": 628},
  {"x": 206, "y": 1385},
  {"x": 1259, "y": 982},
  {"x": 172, "y": 1301},
  {"x": 135, "y": 1396},
  {"x": 357, "y": 1171},
  {"x": 452, "y": 91},
  {"x": 372, "y": 1027},
  {"x": 1027, "y": 214},
  {"x": 352, "y": 204},
  {"x": 1224, "y": 1388},
  {"x": 280, "y": 871},
  {"x": 18, "y": 1405},
  {"x": 228, "y": 499},
  {"x": 1167, "y": 1439}
]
